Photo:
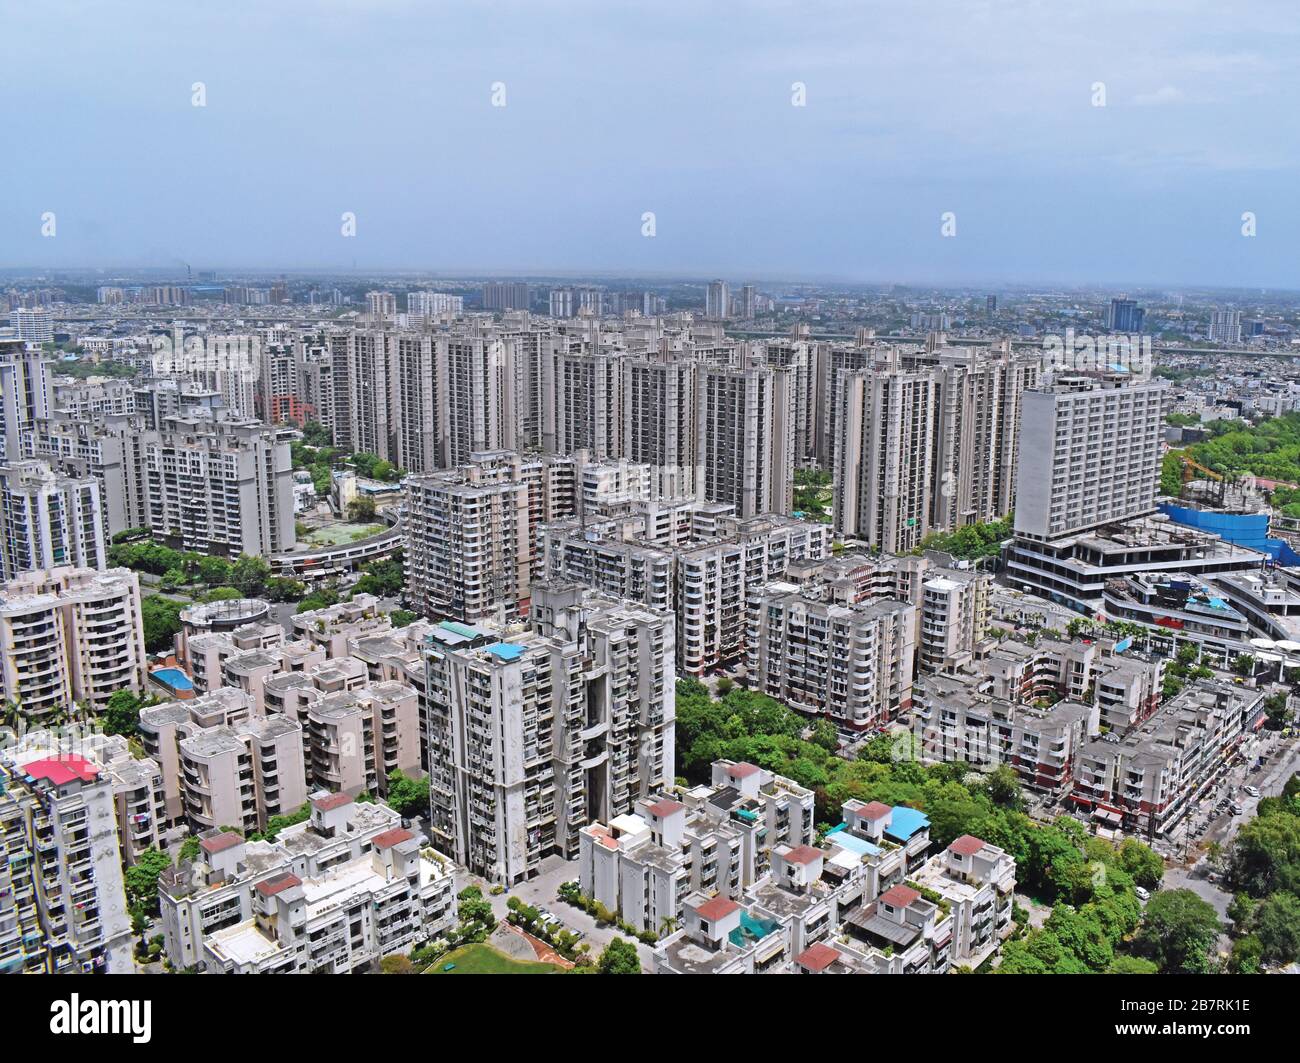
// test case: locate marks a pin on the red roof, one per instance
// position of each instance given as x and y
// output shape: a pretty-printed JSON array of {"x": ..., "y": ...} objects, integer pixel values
[
  {"x": 63, "y": 769},
  {"x": 817, "y": 957},
  {"x": 665, "y": 808},
  {"x": 874, "y": 811},
  {"x": 392, "y": 837},
  {"x": 804, "y": 854},
  {"x": 900, "y": 896},
  {"x": 332, "y": 801},
  {"x": 741, "y": 770},
  {"x": 221, "y": 842},
  {"x": 967, "y": 845},
  {"x": 272, "y": 886},
  {"x": 717, "y": 908}
]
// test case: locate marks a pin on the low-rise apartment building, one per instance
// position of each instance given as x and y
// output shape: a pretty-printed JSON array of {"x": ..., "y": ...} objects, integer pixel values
[
  {"x": 333, "y": 894},
  {"x": 1146, "y": 781}
]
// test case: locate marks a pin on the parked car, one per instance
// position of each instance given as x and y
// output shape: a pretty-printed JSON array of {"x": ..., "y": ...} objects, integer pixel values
[
  {"x": 1252, "y": 791},
  {"x": 1142, "y": 894},
  {"x": 1235, "y": 808}
]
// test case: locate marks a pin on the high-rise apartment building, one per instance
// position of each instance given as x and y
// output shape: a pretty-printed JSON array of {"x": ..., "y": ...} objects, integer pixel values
[
  {"x": 532, "y": 737},
  {"x": 469, "y": 540},
  {"x": 24, "y": 396},
  {"x": 745, "y": 437},
  {"x": 31, "y": 325},
  {"x": 70, "y": 635},
  {"x": 716, "y": 300},
  {"x": 62, "y": 896},
  {"x": 851, "y": 664},
  {"x": 1089, "y": 453},
  {"x": 1124, "y": 315},
  {"x": 222, "y": 487},
  {"x": 1225, "y": 326},
  {"x": 48, "y": 520},
  {"x": 507, "y": 295},
  {"x": 884, "y": 457}
]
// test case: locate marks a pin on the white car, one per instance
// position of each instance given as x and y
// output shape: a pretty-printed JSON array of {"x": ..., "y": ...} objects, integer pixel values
[
  {"x": 1142, "y": 893},
  {"x": 1251, "y": 791}
]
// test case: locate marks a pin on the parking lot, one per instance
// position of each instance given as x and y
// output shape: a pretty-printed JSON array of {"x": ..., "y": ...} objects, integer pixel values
[{"x": 543, "y": 891}]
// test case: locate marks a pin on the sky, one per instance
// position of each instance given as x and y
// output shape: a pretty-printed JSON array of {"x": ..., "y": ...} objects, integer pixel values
[{"x": 912, "y": 109}]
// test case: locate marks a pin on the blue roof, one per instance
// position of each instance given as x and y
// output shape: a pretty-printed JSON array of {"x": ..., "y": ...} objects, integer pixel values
[
  {"x": 905, "y": 822},
  {"x": 852, "y": 843},
  {"x": 506, "y": 651}
]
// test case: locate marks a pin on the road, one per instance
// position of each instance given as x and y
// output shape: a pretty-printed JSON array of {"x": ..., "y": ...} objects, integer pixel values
[
  {"x": 543, "y": 891},
  {"x": 1282, "y": 759}
]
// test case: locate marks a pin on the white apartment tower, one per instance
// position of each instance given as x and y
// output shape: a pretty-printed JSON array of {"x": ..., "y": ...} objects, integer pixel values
[
  {"x": 48, "y": 520},
  {"x": 884, "y": 457},
  {"x": 1089, "y": 453}
]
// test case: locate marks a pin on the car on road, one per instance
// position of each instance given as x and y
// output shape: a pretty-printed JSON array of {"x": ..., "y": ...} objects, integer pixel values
[
  {"x": 1252, "y": 791},
  {"x": 1235, "y": 808},
  {"x": 1142, "y": 893}
]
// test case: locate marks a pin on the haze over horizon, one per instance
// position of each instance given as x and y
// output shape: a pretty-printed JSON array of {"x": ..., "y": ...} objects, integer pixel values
[{"x": 383, "y": 108}]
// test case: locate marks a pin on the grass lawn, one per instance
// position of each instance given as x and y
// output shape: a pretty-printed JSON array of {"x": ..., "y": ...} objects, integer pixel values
[{"x": 484, "y": 959}]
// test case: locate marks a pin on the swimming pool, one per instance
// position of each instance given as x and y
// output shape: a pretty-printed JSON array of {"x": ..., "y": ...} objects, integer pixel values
[{"x": 173, "y": 679}]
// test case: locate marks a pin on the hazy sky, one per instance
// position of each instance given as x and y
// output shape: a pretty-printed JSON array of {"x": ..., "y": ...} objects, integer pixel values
[{"x": 618, "y": 107}]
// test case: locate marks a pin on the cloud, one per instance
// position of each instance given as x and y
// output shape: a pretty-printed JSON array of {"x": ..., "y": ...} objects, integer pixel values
[{"x": 1162, "y": 97}]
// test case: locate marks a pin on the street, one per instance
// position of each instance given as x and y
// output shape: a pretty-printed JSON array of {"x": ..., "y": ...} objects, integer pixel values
[{"x": 543, "y": 891}]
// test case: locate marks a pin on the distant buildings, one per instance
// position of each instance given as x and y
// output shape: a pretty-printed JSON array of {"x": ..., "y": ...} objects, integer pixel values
[
  {"x": 1124, "y": 315},
  {"x": 1225, "y": 326}
]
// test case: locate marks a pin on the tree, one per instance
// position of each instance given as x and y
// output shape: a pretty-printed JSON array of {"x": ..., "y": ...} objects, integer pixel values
[
  {"x": 472, "y": 908},
  {"x": 362, "y": 508},
  {"x": 189, "y": 849},
  {"x": 141, "y": 879},
  {"x": 619, "y": 957},
  {"x": 1131, "y": 965},
  {"x": 1142, "y": 862},
  {"x": 1003, "y": 785},
  {"x": 121, "y": 714},
  {"x": 249, "y": 575},
  {"x": 1179, "y": 932},
  {"x": 409, "y": 796},
  {"x": 316, "y": 434},
  {"x": 1278, "y": 712},
  {"x": 1266, "y": 855},
  {"x": 1247, "y": 954},
  {"x": 825, "y": 735},
  {"x": 397, "y": 963},
  {"x": 403, "y": 617},
  {"x": 1276, "y": 924},
  {"x": 162, "y": 620}
]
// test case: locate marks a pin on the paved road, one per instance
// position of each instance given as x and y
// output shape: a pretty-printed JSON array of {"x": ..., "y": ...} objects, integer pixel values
[{"x": 542, "y": 891}]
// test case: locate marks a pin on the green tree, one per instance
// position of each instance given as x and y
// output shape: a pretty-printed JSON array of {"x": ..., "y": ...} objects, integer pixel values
[
  {"x": 1142, "y": 862},
  {"x": 408, "y": 796},
  {"x": 1179, "y": 932},
  {"x": 249, "y": 575},
  {"x": 1132, "y": 965},
  {"x": 141, "y": 879},
  {"x": 121, "y": 714},
  {"x": 619, "y": 957},
  {"x": 162, "y": 620},
  {"x": 1277, "y": 926}
]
